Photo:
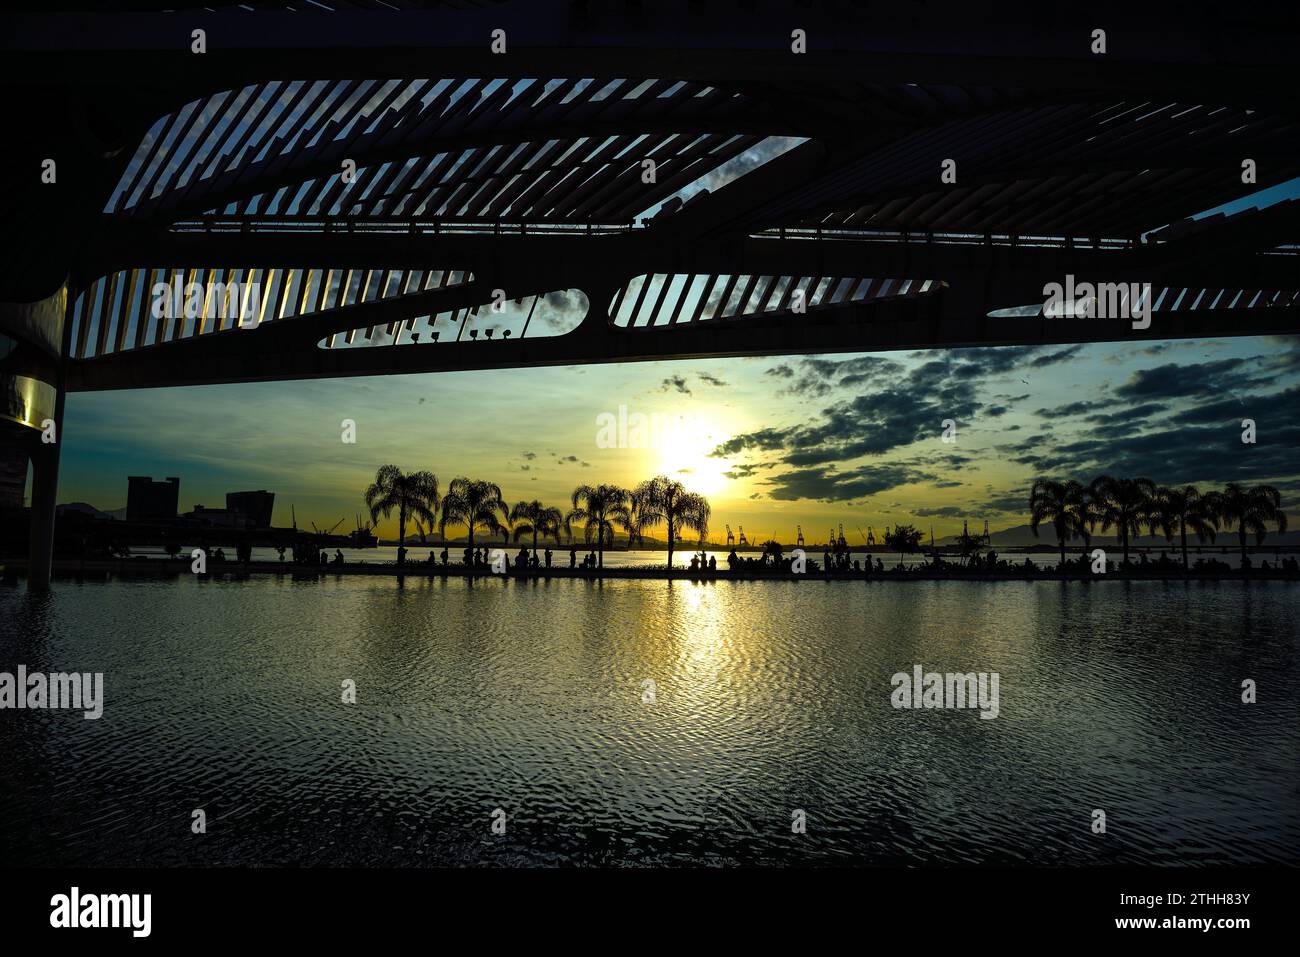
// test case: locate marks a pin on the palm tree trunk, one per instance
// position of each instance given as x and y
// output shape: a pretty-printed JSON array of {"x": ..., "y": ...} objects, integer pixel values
[
  {"x": 600, "y": 544},
  {"x": 1241, "y": 536},
  {"x": 1183, "y": 523},
  {"x": 401, "y": 533},
  {"x": 1062, "y": 553},
  {"x": 1124, "y": 537},
  {"x": 670, "y": 543}
]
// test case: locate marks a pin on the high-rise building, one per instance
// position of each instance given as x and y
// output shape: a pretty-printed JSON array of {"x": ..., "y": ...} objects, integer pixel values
[
  {"x": 254, "y": 508},
  {"x": 149, "y": 501}
]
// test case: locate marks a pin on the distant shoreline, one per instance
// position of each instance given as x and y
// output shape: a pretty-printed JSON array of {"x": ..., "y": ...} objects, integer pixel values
[{"x": 73, "y": 569}]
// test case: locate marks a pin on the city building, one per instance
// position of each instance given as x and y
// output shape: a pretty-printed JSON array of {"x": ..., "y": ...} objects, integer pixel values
[
  {"x": 150, "y": 501},
  {"x": 254, "y": 507}
]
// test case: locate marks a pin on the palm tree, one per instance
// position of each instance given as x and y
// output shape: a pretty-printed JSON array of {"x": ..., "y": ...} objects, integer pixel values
[
  {"x": 598, "y": 507},
  {"x": 1127, "y": 504},
  {"x": 1063, "y": 504},
  {"x": 1249, "y": 509},
  {"x": 1184, "y": 508},
  {"x": 413, "y": 494},
  {"x": 1085, "y": 515},
  {"x": 535, "y": 518},
  {"x": 669, "y": 501},
  {"x": 473, "y": 503},
  {"x": 641, "y": 514}
]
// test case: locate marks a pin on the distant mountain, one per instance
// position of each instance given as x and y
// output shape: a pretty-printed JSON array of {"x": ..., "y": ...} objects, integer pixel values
[{"x": 86, "y": 509}]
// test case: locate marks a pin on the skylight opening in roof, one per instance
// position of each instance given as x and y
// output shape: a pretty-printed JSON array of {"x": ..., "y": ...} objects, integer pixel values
[
  {"x": 639, "y": 89},
  {"x": 632, "y": 145},
  {"x": 606, "y": 91},
  {"x": 1258, "y": 200},
  {"x": 517, "y": 91},
  {"x": 752, "y": 158},
  {"x": 577, "y": 90}
]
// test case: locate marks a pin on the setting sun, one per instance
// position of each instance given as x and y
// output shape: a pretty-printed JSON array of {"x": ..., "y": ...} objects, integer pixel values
[{"x": 683, "y": 453}]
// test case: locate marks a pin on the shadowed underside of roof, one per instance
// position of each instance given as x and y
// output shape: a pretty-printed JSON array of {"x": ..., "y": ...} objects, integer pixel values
[{"x": 689, "y": 211}]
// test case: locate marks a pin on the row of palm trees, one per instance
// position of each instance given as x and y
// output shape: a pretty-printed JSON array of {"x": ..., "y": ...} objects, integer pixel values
[
  {"x": 479, "y": 506},
  {"x": 1129, "y": 504}
]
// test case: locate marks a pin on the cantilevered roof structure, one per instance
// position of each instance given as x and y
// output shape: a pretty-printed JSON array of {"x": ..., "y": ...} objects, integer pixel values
[{"x": 358, "y": 190}]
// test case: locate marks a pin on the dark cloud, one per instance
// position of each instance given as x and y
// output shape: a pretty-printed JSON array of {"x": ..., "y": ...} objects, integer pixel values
[
  {"x": 829, "y": 485},
  {"x": 711, "y": 380},
  {"x": 1072, "y": 408},
  {"x": 675, "y": 382},
  {"x": 946, "y": 511},
  {"x": 1174, "y": 381},
  {"x": 1126, "y": 414},
  {"x": 1052, "y": 358},
  {"x": 744, "y": 470},
  {"x": 762, "y": 439}
]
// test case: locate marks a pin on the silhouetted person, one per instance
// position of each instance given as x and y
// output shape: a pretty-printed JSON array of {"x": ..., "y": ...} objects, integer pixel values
[
  {"x": 573, "y": 557},
  {"x": 713, "y": 563},
  {"x": 548, "y": 558},
  {"x": 444, "y": 556},
  {"x": 338, "y": 557},
  {"x": 468, "y": 557}
]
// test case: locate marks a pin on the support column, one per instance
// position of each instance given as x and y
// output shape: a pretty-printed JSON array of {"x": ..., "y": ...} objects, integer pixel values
[
  {"x": 45, "y": 487},
  {"x": 33, "y": 339}
]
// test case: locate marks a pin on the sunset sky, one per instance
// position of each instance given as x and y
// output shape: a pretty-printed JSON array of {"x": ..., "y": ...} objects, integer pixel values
[{"x": 772, "y": 442}]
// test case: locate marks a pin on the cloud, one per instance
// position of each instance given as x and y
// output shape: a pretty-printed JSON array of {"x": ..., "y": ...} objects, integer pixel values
[
  {"x": 675, "y": 382},
  {"x": 1172, "y": 380},
  {"x": 711, "y": 380},
  {"x": 829, "y": 485},
  {"x": 1052, "y": 358}
]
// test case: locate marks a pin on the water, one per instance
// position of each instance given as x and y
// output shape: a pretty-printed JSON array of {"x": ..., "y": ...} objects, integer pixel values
[{"x": 770, "y": 697}]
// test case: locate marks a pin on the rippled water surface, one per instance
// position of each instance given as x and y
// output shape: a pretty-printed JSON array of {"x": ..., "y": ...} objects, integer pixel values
[{"x": 769, "y": 697}]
